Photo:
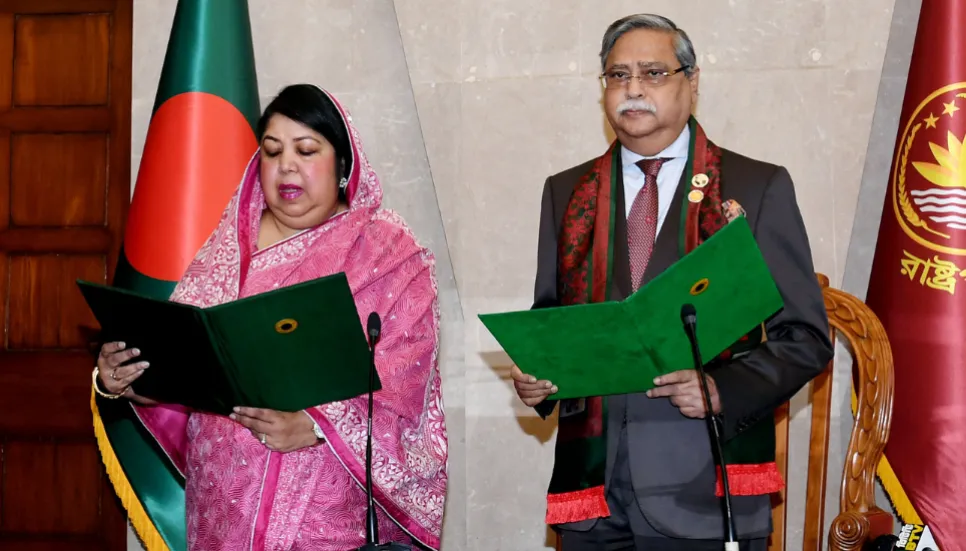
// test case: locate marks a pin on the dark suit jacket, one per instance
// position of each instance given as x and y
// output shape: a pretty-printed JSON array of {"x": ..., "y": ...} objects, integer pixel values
[{"x": 671, "y": 466}]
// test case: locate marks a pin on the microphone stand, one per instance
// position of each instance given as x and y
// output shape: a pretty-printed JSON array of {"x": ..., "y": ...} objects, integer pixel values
[
  {"x": 372, "y": 526},
  {"x": 689, "y": 319},
  {"x": 373, "y": 328}
]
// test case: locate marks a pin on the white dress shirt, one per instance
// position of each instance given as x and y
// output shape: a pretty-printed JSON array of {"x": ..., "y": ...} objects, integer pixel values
[{"x": 667, "y": 178}]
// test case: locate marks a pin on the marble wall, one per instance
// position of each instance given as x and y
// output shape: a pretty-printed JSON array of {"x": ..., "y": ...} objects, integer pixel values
[{"x": 466, "y": 107}]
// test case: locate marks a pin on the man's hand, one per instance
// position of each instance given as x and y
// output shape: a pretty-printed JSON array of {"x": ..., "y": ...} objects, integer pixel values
[
  {"x": 529, "y": 389},
  {"x": 684, "y": 390}
]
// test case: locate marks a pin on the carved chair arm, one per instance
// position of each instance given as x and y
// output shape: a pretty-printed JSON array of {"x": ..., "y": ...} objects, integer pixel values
[
  {"x": 860, "y": 520},
  {"x": 851, "y": 530}
]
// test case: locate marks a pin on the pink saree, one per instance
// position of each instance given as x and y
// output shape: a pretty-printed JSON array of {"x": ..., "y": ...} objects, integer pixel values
[{"x": 242, "y": 496}]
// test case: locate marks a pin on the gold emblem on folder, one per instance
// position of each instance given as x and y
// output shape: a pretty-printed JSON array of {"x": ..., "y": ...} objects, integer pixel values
[
  {"x": 700, "y": 287},
  {"x": 286, "y": 326}
]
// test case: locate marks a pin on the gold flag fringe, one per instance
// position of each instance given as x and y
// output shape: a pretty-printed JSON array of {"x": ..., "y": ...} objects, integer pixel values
[
  {"x": 145, "y": 529},
  {"x": 890, "y": 483}
]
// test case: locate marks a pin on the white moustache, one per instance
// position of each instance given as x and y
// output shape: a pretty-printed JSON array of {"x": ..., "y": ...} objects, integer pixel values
[{"x": 636, "y": 105}]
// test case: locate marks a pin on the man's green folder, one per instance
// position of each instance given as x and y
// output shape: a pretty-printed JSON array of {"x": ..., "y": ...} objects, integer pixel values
[
  {"x": 287, "y": 349},
  {"x": 620, "y": 347}
]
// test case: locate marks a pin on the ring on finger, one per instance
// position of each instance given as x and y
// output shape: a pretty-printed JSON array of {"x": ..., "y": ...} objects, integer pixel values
[
  {"x": 262, "y": 438},
  {"x": 114, "y": 374}
]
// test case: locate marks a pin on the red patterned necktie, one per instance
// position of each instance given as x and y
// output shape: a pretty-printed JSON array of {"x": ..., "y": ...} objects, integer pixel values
[{"x": 642, "y": 221}]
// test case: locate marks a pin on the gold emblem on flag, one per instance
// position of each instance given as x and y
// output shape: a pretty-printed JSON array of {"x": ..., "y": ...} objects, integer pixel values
[
  {"x": 929, "y": 175},
  {"x": 928, "y": 189},
  {"x": 933, "y": 273}
]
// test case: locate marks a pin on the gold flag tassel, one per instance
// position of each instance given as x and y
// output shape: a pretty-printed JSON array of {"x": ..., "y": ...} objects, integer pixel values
[{"x": 145, "y": 529}]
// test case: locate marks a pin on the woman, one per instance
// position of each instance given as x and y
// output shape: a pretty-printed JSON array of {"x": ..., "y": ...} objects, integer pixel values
[{"x": 307, "y": 207}]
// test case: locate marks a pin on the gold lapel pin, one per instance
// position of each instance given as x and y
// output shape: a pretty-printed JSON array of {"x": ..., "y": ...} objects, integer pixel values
[
  {"x": 695, "y": 196},
  {"x": 699, "y": 180}
]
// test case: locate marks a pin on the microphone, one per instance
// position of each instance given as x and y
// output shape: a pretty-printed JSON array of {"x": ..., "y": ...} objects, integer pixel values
[
  {"x": 374, "y": 326},
  {"x": 373, "y": 329},
  {"x": 887, "y": 542},
  {"x": 689, "y": 317}
]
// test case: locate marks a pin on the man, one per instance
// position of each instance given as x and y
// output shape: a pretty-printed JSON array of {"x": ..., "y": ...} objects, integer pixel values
[{"x": 652, "y": 483}]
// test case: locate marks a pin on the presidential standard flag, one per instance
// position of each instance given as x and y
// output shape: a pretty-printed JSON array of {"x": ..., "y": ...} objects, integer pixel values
[{"x": 917, "y": 286}]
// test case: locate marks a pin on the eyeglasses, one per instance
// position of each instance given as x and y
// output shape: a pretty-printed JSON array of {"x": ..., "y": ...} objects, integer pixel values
[{"x": 620, "y": 78}]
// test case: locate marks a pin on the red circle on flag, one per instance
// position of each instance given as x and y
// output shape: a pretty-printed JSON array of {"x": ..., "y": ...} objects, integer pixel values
[{"x": 195, "y": 154}]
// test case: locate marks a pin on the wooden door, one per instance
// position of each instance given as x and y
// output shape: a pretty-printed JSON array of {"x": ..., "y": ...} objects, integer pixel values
[{"x": 65, "y": 101}]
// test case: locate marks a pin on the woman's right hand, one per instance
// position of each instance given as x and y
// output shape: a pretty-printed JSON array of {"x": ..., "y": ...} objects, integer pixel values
[{"x": 115, "y": 379}]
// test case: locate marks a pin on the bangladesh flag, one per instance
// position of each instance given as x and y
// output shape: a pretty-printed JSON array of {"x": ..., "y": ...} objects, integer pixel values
[{"x": 200, "y": 139}]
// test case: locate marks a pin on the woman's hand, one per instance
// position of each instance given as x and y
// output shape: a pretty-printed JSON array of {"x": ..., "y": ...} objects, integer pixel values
[
  {"x": 280, "y": 431},
  {"x": 115, "y": 379}
]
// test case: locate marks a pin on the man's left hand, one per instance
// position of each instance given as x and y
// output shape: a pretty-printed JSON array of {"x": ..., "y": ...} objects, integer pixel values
[
  {"x": 278, "y": 430},
  {"x": 684, "y": 390}
]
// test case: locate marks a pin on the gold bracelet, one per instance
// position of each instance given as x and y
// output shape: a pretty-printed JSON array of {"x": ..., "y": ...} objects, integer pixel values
[{"x": 107, "y": 395}]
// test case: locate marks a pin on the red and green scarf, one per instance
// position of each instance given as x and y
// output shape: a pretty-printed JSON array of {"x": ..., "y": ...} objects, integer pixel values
[{"x": 586, "y": 253}]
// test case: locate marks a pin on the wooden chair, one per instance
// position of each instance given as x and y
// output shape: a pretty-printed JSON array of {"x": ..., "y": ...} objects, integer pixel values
[{"x": 859, "y": 519}]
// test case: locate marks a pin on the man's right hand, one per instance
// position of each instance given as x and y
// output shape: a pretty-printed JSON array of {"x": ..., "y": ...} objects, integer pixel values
[{"x": 529, "y": 389}]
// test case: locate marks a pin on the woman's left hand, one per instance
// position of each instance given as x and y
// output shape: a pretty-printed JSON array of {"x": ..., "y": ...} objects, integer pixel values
[{"x": 280, "y": 431}]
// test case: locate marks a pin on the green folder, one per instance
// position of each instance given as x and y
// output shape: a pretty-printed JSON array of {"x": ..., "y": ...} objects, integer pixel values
[
  {"x": 620, "y": 347},
  {"x": 287, "y": 349}
]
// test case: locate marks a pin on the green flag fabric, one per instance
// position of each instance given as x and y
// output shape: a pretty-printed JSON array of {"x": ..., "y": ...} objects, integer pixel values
[{"x": 200, "y": 138}]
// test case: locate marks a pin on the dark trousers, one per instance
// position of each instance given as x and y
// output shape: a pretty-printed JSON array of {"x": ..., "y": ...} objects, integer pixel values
[{"x": 626, "y": 529}]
